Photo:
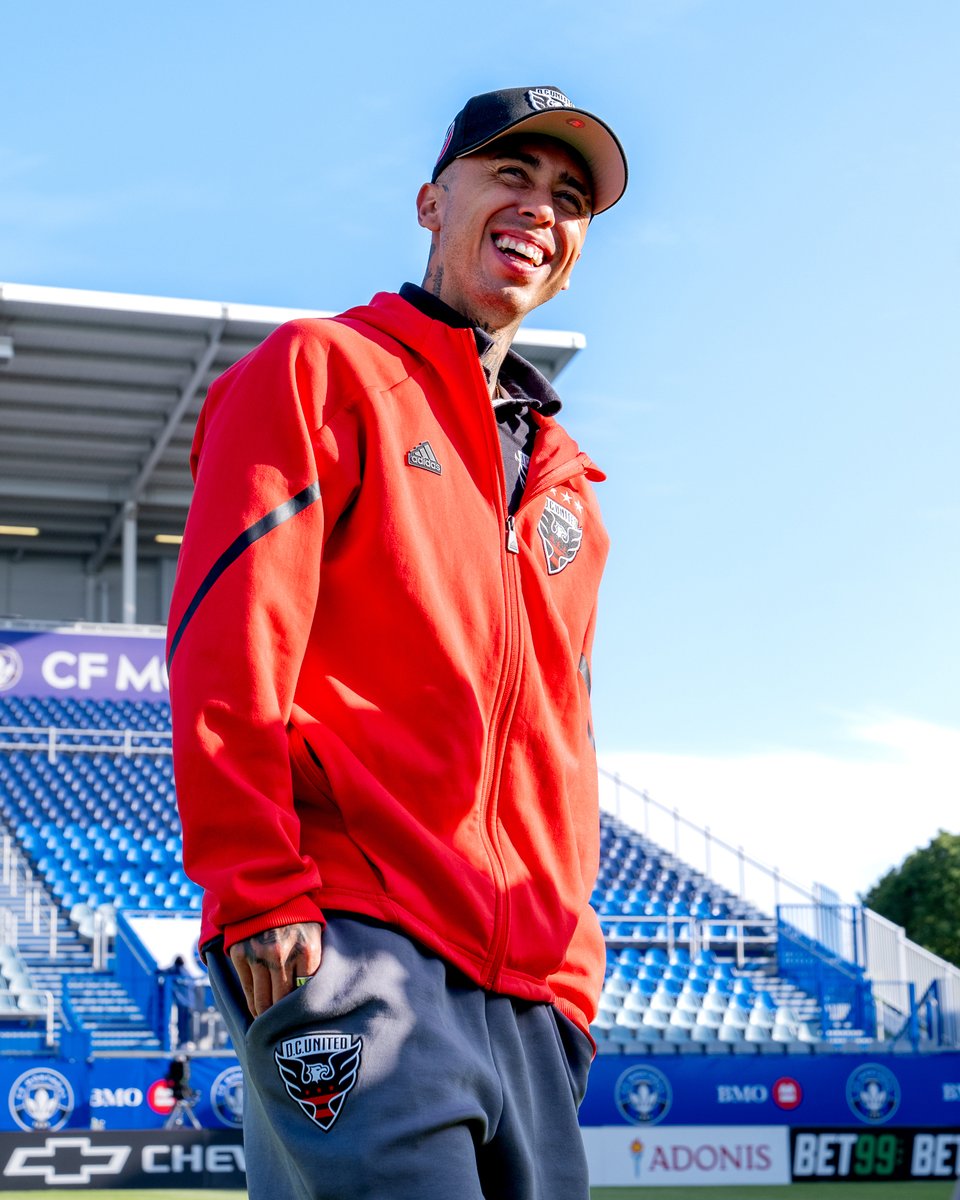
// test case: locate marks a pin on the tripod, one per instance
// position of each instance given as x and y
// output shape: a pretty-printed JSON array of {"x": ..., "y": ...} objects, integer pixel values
[
  {"x": 182, "y": 1112},
  {"x": 184, "y": 1097}
]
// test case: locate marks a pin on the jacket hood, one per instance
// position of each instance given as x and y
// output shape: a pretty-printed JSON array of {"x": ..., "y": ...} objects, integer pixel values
[{"x": 404, "y": 320}]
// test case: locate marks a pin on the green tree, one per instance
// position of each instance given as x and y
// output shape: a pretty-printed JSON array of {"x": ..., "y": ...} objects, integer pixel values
[{"x": 923, "y": 895}]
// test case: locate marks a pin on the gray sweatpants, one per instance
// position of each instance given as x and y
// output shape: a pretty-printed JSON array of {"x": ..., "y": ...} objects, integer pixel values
[{"x": 391, "y": 1076}]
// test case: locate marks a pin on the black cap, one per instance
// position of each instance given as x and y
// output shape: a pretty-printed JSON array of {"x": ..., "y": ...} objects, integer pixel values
[{"x": 544, "y": 110}]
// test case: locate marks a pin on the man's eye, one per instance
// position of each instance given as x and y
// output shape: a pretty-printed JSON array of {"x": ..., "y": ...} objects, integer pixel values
[{"x": 571, "y": 201}]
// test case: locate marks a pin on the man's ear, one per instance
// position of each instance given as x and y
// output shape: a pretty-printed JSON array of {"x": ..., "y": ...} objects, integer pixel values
[
  {"x": 428, "y": 213},
  {"x": 565, "y": 286}
]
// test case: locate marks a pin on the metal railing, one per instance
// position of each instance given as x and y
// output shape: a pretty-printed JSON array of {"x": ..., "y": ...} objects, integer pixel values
[
  {"x": 728, "y": 866},
  {"x": 48, "y": 1012},
  {"x": 693, "y": 934},
  {"x": 890, "y": 955},
  {"x": 39, "y": 912},
  {"x": 837, "y": 928},
  {"x": 902, "y": 975},
  {"x": 9, "y": 928},
  {"x": 54, "y": 741}
]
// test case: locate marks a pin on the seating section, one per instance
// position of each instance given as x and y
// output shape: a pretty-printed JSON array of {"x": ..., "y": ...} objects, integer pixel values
[
  {"x": 638, "y": 879},
  {"x": 93, "y": 808},
  {"x": 75, "y": 719},
  {"x": 650, "y": 996},
  {"x": 100, "y": 828},
  {"x": 18, "y": 991}
]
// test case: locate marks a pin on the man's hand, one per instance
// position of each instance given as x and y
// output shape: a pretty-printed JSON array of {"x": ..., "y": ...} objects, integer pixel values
[{"x": 270, "y": 962}]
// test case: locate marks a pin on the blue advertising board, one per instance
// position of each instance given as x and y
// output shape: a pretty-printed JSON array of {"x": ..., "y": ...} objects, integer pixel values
[
  {"x": 783, "y": 1089},
  {"x": 103, "y": 666},
  {"x": 47, "y": 1094}
]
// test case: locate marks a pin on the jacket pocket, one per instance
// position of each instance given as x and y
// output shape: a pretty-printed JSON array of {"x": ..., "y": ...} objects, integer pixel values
[
  {"x": 310, "y": 780},
  {"x": 325, "y": 835}
]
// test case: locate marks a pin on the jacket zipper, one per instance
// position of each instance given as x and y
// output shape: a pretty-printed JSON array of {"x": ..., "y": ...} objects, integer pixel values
[
  {"x": 508, "y": 685},
  {"x": 512, "y": 544},
  {"x": 507, "y": 688}
]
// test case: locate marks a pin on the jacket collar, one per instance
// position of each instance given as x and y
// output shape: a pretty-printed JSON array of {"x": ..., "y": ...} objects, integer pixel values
[{"x": 520, "y": 379}]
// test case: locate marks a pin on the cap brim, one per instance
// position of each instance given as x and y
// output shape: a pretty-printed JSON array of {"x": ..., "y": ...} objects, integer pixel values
[{"x": 594, "y": 141}]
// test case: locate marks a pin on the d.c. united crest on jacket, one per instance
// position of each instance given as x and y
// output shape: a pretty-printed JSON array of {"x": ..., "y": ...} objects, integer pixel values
[{"x": 561, "y": 534}]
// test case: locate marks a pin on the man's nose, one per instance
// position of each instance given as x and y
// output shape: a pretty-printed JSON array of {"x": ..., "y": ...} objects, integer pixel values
[{"x": 539, "y": 209}]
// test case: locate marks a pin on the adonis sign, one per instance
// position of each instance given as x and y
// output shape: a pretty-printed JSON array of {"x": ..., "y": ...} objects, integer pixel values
[{"x": 687, "y": 1155}]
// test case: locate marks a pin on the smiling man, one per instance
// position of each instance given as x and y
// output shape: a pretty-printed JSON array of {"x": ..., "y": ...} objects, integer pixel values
[{"x": 379, "y": 650}]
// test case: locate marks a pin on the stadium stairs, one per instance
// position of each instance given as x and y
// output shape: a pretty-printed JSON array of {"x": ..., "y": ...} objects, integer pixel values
[
  {"x": 694, "y": 969},
  {"x": 97, "y": 832},
  {"x": 83, "y": 996}
]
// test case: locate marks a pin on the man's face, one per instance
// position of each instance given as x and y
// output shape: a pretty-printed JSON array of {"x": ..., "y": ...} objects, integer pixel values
[{"x": 508, "y": 224}]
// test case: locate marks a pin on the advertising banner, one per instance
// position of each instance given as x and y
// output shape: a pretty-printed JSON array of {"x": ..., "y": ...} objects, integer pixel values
[
  {"x": 810, "y": 1091},
  {"x": 687, "y": 1156},
  {"x": 51, "y": 1095},
  {"x": 100, "y": 665},
  {"x": 172, "y": 1160},
  {"x": 874, "y": 1155}
]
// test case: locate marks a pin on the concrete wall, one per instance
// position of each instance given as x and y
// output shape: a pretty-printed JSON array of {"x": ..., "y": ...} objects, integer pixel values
[{"x": 57, "y": 589}]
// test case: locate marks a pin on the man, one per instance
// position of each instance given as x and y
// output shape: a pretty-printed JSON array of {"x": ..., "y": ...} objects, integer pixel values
[{"x": 379, "y": 653}]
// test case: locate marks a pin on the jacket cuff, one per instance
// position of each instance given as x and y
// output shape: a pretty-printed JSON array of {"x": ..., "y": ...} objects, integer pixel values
[{"x": 295, "y": 912}]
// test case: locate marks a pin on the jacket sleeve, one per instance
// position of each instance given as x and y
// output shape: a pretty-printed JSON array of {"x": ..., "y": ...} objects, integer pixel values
[{"x": 243, "y": 605}]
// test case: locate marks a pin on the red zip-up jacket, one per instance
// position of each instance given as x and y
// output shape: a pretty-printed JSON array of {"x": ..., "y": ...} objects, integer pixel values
[{"x": 379, "y": 680}]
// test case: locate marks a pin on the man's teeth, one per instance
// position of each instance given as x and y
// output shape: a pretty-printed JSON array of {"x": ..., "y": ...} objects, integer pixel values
[{"x": 526, "y": 249}]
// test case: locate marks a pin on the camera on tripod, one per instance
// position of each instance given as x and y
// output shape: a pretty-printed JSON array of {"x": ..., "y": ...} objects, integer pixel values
[{"x": 184, "y": 1096}]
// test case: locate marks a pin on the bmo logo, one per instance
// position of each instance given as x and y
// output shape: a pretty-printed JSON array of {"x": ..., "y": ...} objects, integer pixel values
[
  {"x": 750, "y": 1093},
  {"x": 787, "y": 1094},
  {"x": 160, "y": 1096},
  {"x": 121, "y": 1097}
]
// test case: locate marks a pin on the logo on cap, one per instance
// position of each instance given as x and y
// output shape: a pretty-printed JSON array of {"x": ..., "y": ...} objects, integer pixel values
[
  {"x": 541, "y": 98},
  {"x": 446, "y": 140}
]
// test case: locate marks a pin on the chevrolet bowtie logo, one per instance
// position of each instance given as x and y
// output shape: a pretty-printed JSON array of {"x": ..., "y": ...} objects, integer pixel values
[{"x": 66, "y": 1160}]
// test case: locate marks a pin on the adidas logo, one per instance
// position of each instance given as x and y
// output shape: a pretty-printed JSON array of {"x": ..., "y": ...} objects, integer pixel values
[{"x": 423, "y": 456}]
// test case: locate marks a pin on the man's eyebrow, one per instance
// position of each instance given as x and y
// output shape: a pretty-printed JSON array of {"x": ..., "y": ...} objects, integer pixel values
[
  {"x": 575, "y": 182},
  {"x": 524, "y": 156},
  {"x": 533, "y": 160}
]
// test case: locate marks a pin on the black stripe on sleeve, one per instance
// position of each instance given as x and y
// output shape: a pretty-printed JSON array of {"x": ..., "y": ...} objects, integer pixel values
[
  {"x": 584, "y": 670},
  {"x": 283, "y": 512}
]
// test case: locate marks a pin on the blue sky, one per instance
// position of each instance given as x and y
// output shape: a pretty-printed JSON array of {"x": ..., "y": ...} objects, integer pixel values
[{"x": 771, "y": 313}]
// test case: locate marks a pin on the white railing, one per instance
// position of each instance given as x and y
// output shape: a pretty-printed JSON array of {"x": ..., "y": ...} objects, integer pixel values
[
  {"x": 889, "y": 955},
  {"x": 85, "y": 741},
  {"x": 12, "y": 864},
  {"x": 899, "y": 972},
  {"x": 39, "y": 912},
  {"x": 47, "y": 1011},
  {"x": 728, "y": 866},
  {"x": 694, "y": 934},
  {"x": 838, "y": 927},
  {"x": 9, "y": 928}
]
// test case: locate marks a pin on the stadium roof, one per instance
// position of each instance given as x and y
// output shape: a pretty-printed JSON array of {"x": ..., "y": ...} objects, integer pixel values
[{"x": 99, "y": 395}]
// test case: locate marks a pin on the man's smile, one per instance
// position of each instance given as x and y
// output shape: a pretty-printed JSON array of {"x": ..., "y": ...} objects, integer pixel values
[{"x": 521, "y": 249}]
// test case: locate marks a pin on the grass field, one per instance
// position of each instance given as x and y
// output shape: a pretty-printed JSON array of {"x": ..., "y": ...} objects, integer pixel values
[{"x": 797, "y": 1191}]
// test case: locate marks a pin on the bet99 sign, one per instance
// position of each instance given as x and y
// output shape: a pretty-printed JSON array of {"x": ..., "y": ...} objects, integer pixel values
[{"x": 874, "y": 1155}]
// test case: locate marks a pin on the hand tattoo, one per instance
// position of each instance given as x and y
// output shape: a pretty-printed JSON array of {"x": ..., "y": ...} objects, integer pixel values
[{"x": 290, "y": 939}]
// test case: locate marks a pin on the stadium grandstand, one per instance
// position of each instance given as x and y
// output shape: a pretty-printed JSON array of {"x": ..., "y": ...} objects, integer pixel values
[{"x": 727, "y": 988}]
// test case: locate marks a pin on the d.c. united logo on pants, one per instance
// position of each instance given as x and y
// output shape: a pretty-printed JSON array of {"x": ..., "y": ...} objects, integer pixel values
[{"x": 318, "y": 1069}]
